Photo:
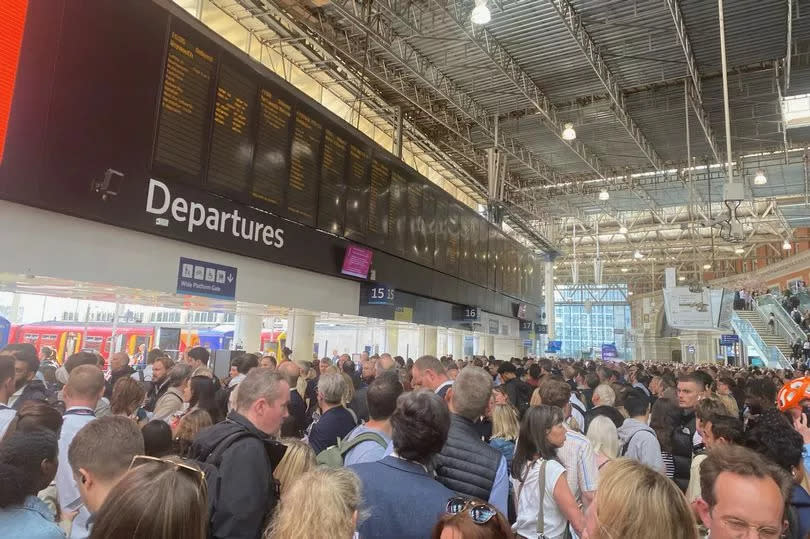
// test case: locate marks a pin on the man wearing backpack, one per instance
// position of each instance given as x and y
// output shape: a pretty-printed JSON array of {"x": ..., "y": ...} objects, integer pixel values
[
  {"x": 639, "y": 441},
  {"x": 382, "y": 398},
  {"x": 239, "y": 455}
]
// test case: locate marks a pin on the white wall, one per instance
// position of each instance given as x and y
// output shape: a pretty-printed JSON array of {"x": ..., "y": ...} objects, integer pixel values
[{"x": 50, "y": 244}]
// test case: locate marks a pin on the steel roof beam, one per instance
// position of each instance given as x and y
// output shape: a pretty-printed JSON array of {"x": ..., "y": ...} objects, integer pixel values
[
  {"x": 586, "y": 44},
  {"x": 695, "y": 89}
]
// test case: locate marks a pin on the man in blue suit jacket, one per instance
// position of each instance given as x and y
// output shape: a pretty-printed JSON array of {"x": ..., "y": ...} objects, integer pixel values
[{"x": 402, "y": 498}]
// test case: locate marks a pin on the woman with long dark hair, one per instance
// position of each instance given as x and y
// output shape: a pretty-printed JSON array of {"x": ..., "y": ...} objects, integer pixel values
[
  {"x": 544, "y": 499},
  {"x": 201, "y": 394}
]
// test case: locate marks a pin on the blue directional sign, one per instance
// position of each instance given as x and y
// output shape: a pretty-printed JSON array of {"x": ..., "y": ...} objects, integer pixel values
[
  {"x": 5, "y": 330},
  {"x": 200, "y": 278},
  {"x": 729, "y": 340}
]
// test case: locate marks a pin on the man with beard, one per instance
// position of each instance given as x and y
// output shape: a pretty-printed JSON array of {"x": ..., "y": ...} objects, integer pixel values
[
  {"x": 160, "y": 381},
  {"x": 26, "y": 386}
]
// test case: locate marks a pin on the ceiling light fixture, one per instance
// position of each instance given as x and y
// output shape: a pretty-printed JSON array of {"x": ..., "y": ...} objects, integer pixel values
[
  {"x": 760, "y": 178},
  {"x": 630, "y": 293},
  {"x": 624, "y": 270},
  {"x": 637, "y": 255},
  {"x": 481, "y": 14},
  {"x": 568, "y": 132},
  {"x": 707, "y": 266},
  {"x": 787, "y": 246},
  {"x": 739, "y": 250},
  {"x": 622, "y": 229},
  {"x": 603, "y": 194},
  {"x": 681, "y": 278}
]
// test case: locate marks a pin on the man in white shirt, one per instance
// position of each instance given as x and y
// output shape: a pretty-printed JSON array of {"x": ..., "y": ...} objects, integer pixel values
[
  {"x": 6, "y": 389},
  {"x": 81, "y": 394},
  {"x": 428, "y": 372}
]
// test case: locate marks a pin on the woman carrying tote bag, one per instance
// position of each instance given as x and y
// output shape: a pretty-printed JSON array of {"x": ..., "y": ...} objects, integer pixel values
[{"x": 545, "y": 504}]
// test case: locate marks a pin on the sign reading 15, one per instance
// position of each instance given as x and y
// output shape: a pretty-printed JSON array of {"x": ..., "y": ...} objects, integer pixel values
[{"x": 382, "y": 292}]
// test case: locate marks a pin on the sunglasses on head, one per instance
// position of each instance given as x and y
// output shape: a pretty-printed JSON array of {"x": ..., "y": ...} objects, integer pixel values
[
  {"x": 480, "y": 512},
  {"x": 195, "y": 473}
]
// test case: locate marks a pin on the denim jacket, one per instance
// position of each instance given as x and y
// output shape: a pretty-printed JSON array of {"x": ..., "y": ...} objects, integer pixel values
[{"x": 30, "y": 520}]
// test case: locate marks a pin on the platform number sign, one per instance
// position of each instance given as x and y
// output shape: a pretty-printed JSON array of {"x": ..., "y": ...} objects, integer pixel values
[
  {"x": 380, "y": 294},
  {"x": 466, "y": 313},
  {"x": 471, "y": 313}
]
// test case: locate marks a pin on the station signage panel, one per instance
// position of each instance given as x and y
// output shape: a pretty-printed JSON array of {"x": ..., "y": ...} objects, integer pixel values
[
  {"x": 554, "y": 346},
  {"x": 201, "y": 278},
  {"x": 729, "y": 340},
  {"x": 380, "y": 294},
  {"x": 526, "y": 325},
  {"x": 541, "y": 329},
  {"x": 609, "y": 351},
  {"x": 466, "y": 313}
]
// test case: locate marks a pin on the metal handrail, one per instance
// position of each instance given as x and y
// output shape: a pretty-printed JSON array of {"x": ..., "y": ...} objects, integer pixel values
[
  {"x": 773, "y": 353},
  {"x": 786, "y": 327}
]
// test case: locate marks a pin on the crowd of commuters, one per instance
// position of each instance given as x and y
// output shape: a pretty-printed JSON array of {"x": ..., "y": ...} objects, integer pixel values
[{"x": 387, "y": 447}]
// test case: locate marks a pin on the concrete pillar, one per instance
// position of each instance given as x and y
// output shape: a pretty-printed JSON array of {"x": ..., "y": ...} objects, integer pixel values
[
  {"x": 488, "y": 345},
  {"x": 247, "y": 334},
  {"x": 391, "y": 338},
  {"x": 301, "y": 334},
  {"x": 428, "y": 340},
  {"x": 548, "y": 291},
  {"x": 458, "y": 344}
]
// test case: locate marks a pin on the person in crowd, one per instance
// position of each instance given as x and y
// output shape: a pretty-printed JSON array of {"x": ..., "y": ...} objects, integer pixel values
[
  {"x": 26, "y": 385},
  {"x": 324, "y": 365},
  {"x": 172, "y": 401},
  {"x": 534, "y": 376},
  {"x": 119, "y": 368},
  {"x": 6, "y": 390},
  {"x": 87, "y": 358},
  {"x": 157, "y": 438},
  {"x": 466, "y": 464},
  {"x": 268, "y": 362},
  {"x": 146, "y": 375},
  {"x": 518, "y": 391},
  {"x": 243, "y": 364},
  {"x": 690, "y": 389},
  {"x": 576, "y": 453},
  {"x": 760, "y": 396},
  {"x": 604, "y": 439},
  {"x": 297, "y": 460},
  {"x": 542, "y": 433},
  {"x": 187, "y": 428},
  {"x": 774, "y": 438},
  {"x": 419, "y": 428},
  {"x": 197, "y": 358},
  {"x": 635, "y": 502},
  {"x": 742, "y": 493},
  {"x": 429, "y": 373},
  {"x": 295, "y": 424},
  {"x": 335, "y": 421},
  {"x": 323, "y": 502},
  {"x": 470, "y": 519},
  {"x": 385, "y": 363},
  {"x": 721, "y": 430},
  {"x": 725, "y": 388},
  {"x": 201, "y": 394},
  {"x": 127, "y": 397},
  {"x": 160, "y": 382},
  {"x": 81, "y": 394},
  {"x": 664, "y": 417},
  {"x": 28, "y": 462},
  {"x": 99, "y": 456},
  {"x": 369, "y": 370},
  {"x": 705, "y": 411},
  {"x": 244, "y": 493},
  {"x": 604, "y": 398},
  {"x": 382, "y": 398},
  {"x": 156, "y": 499},
  {"x": 639, "y": 441},
  {"x": 358, "y": 402},
  {"x": 505, "y": 429}
]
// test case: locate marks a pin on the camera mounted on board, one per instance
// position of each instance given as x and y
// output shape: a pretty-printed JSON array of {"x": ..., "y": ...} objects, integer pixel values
[{"x": 109, "y": 186}]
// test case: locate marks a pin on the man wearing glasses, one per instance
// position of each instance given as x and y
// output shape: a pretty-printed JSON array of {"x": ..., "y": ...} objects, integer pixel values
[{"x": 743, "y": 495}]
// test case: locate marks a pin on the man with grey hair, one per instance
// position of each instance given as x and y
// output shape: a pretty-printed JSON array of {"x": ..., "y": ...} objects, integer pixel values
[
  {"x": 242, "y": 450},
  {"x": 336, "y": 421},
  {"x": 466, "y": 464},
  {"x": 604, "y": 397},
  {"x": 428, "y": 372}
]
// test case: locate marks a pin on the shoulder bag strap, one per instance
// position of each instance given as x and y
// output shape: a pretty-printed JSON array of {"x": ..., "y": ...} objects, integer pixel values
[{"x": 541, "y": 481}]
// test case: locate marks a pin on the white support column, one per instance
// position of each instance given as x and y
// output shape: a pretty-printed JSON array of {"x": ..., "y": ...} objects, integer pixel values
[
  {"x": 458, "y": 344},
  {"x": 548, "y": 291},
  {"x": 247, "y": 333},
  {"x": 391, "y": 338},
  {"x": 301, "y": 333},
  {"x": 428, "y": 340}
]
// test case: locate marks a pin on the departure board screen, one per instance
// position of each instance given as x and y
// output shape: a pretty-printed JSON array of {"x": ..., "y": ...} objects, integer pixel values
[
  {"x": 232, "y": 141},
  {"x": 440, "y": 254},
  {"x": 185, "y": 105},
  {"x": 397, "y": 212},
  {"x": 416, "y": 240},
  {"x": 357, "y": 192},
  {"x": 378, "y": 201},
  {"x": 271, "y": 166},
  {"x": 451, "y": 235},
  {"x": 332, "y": 198},
  {"x": 302, "y": 188},
  {"x": 429, "y": 196}
]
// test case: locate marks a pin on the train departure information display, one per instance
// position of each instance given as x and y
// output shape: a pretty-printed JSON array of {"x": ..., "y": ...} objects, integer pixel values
[
  {"x": 272, "y": 148},
  {"x": 185, "y": 105},
  {"x": 302, "y": 188},
  {"x": 333, "y": 187},
  {"x": 231, "y": 142}
]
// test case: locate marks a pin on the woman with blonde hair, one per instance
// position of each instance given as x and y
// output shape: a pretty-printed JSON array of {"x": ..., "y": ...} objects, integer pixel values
[
  {"x": 604, "y": 438},
  {"x": 505, "y": 429},
  {"x": 298, "y": 459},
  {"x": 323, "y": 502},
  {"x": 636, "y": 502},
  {"x": 187, "y": 428}
]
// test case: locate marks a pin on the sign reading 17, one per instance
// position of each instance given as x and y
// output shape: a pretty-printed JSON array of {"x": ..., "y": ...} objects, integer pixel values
[{"x": 382, "y": 292}]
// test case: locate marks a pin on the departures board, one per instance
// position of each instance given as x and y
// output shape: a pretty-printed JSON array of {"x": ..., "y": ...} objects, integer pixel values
[{"x": 234, "y": 132}]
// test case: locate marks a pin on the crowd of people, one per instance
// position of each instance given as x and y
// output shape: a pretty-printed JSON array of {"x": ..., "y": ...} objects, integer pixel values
[{"x": 393, "y": 448}]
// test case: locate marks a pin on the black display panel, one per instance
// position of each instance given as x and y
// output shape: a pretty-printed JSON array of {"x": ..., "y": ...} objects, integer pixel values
[
  {"x": 231, "y": 156},
  {"x": 452, "y": 241},
  {"x": 398, "y": 212},
  {"x": 429, "y": 196},
  {"x": 465, "y": 267},
  {"x": 440, "y": 247},
  {"x": 357, "y": 192},
  {"x": 185, "y": 105},
  {"x": 305, "y": 153},
  {"x": 332, "y": 197},
  {"x": 379, "y": 191},
  {"x": 271, "y": 165}
]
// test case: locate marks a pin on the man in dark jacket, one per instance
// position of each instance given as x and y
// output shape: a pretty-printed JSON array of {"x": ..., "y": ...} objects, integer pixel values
[
  {"x": 26, "y": 386},
  {"x": 245, "y": 493},
  {"x": 518, "y": 391},
  {"x": 119, "y": 368},
  {"x": 336, "y": 421},
  {"x": 294, "y": 424},
  {"x": 690, "y": 388}
]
